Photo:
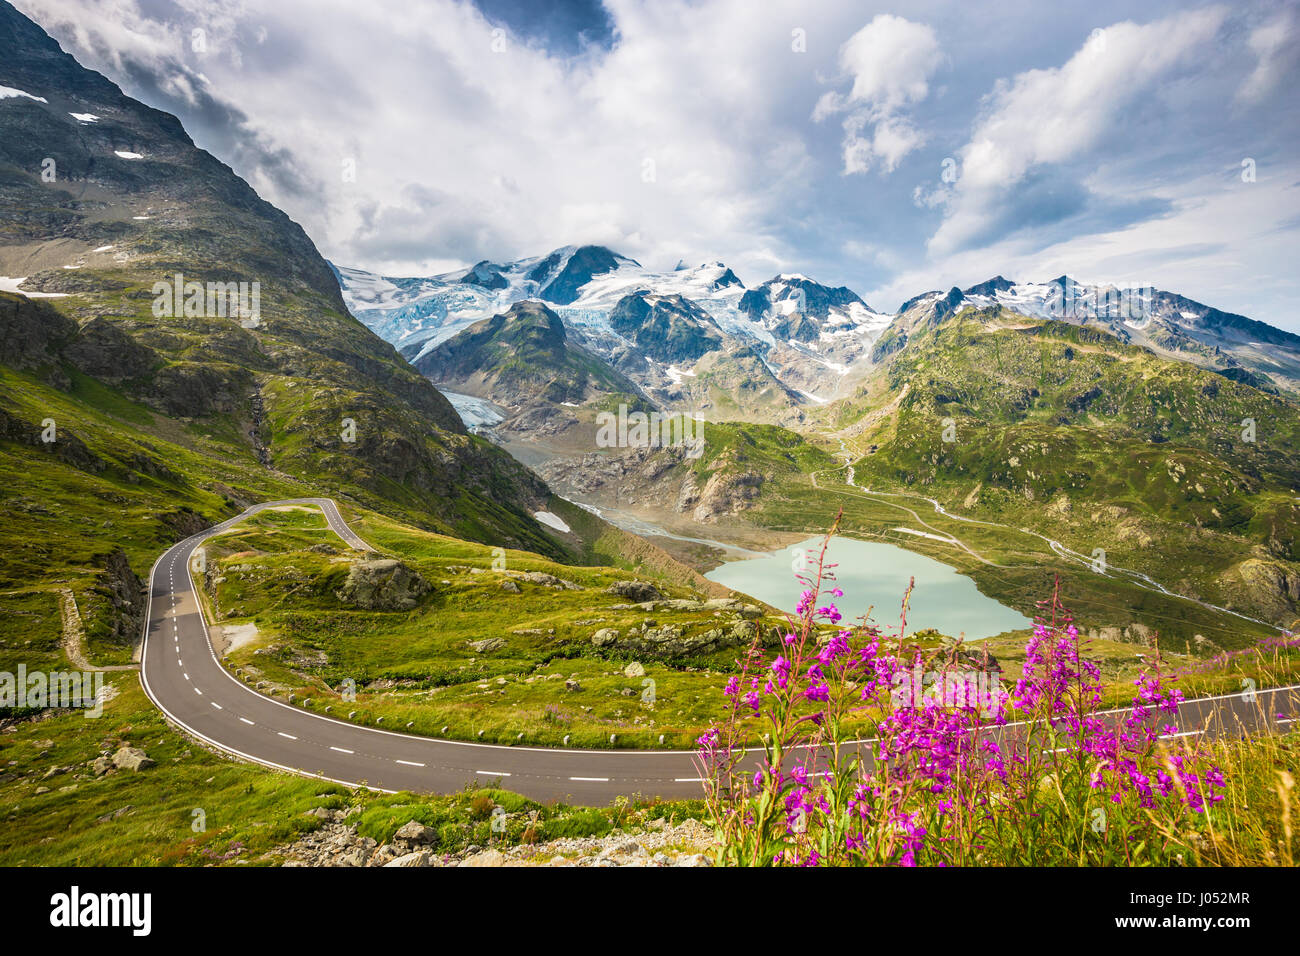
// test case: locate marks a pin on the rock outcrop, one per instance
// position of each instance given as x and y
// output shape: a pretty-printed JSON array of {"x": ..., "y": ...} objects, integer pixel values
[
  {"x": 636, "y": 591},
  {"x": 126, "y": 597},
  {"x": 726, "y": 493},
  {"x": 384, "y": 584},
  {"x": 675, "y": 640},
  {"x": 132, "y": 758},
  {"x": 337, "y": 843}
]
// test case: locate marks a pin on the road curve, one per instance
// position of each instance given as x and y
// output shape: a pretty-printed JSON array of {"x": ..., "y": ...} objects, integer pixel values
[{"x": 182, "y": 676}]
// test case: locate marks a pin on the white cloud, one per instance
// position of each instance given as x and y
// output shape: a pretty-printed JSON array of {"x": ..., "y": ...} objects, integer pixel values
[
  {"x": 891, "y": 61},
  {"x": 1044, "y": 117},
  {"x": 1218, "y": 245},
  {"x": 692, "y": 137},
  {"x": 1277, "y": 48},
  {"x": 685, "y": 139}
]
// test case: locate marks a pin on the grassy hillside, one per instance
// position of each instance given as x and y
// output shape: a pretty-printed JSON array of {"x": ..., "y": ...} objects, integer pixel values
[
  {"x": 1168, "y": 469},
  {"x": 487, "y": 652},
  {"x": 139, "y": 401},
  {"x": 198, "y": 809}
]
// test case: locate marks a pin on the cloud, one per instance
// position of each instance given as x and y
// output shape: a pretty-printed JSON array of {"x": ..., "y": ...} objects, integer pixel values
[
  {"x": 668, "y": 143},
  {"x": 1037, "y": 123},
  {"x": 701, "y": 130},
  {"x": 1277, "y": 47},
  {"x": 891, "y": 61},
  {"x": 1218, "y": 240}
]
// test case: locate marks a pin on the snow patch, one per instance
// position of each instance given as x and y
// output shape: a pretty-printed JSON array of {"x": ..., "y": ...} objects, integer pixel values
[
  {"x": 552, "y": 521},
  {"x": 9, "y": 92},
  {"x": 8, "y": 284},
  {"x": 85, "y": 117},
  {"x": 123, "y": 154}
]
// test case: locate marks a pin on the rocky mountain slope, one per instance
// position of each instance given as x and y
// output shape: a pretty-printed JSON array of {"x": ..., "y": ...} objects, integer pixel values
[
  {"x": 767, "y": 352},
  {"x": 523, "y": 361},
  {"x": 144, "y": 391},
  {"x": 1168, "y": 324}
]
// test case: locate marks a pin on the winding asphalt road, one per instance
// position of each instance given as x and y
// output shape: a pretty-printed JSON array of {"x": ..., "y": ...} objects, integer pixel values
[{"x": 183, "y": 677}]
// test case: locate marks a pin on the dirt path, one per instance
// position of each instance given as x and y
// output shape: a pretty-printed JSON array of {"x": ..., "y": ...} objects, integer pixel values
[
  {"x": 74, "y": 636},
  {"x": 938, "y": 533}
]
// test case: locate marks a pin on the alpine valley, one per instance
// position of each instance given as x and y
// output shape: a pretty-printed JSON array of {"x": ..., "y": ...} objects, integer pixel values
[{"x": 1084, "y": 419}]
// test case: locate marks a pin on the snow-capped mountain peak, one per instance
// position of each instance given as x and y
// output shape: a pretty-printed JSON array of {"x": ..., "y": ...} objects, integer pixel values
[
  {"x": 797, "y": 327},
  {"x": 1165, "y": 322}
]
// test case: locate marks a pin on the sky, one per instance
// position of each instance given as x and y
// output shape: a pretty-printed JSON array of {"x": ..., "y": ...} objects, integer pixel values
[{"x": 893, "y": 148}]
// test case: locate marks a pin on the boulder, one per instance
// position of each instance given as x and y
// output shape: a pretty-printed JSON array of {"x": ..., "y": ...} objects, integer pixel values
[
  {"x": 549, "y": 580},
  {"x": 673, "y": 640},
  {"x": 634, "y": 670},
  {"x": 625, "y": 853},
  {"x": 487, "y": 645},
  {"x": 382, "y": 585},
  {"x": 132, "y": 758},
  {"x": 416, "y": 832},
  {"x": 636, "y": 591},
  {"x": 418, "y": 858},
  {"x": 604, "y": 637},
  {"x": 486, "y": 858}
]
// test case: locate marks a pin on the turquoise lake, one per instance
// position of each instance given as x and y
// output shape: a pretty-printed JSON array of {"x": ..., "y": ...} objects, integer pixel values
[{"x": 873, "y": 573}]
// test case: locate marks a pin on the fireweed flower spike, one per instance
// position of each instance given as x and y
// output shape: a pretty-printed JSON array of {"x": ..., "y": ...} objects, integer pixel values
[{"x": 858, "y": 767}]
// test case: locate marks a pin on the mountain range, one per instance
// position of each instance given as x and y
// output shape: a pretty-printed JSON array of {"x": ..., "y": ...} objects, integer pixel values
[
  {"x": 699, "y": 340},
  {"x": 1110, "y": 417},
  {"x": 780, "y": 340}
]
